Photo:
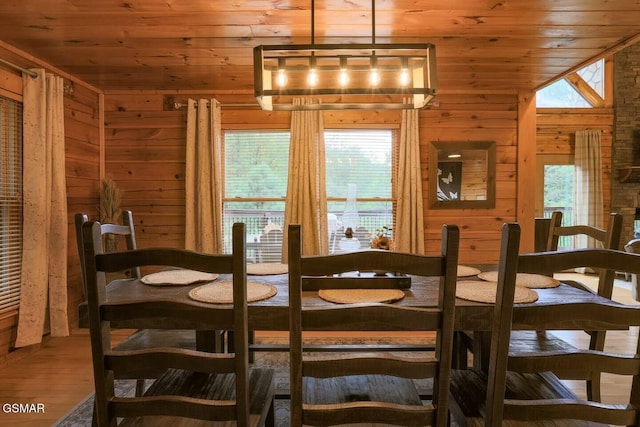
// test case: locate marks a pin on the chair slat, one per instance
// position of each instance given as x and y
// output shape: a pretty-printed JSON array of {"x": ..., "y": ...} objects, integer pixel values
[
  {"x": 190, "y": 385},
  {"x": 380, "y": 388}
]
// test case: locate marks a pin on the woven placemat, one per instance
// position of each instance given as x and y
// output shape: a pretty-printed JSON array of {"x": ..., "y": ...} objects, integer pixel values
[
  {"x": 353, "y": 296},
  {"x": 527, "y": 280},
  {"x": 483, "y": 291},
  {"x": 178, "y": 277},
  {"x": 267, "y": 268},
  {"x": 465, "y": 271},
  {"x": 221, "y": 292}
]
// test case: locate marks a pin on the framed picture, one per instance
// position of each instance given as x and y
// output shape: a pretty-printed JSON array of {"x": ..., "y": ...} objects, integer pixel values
[{"x": 449, "y": 180}]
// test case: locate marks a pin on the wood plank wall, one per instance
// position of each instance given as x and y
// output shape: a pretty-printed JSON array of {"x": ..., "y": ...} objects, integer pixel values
[
  {"x": 556, "y": 129},
  {"x": 144, "y": 153},
  {"x": 474, "y": 118},
  {"x": 144, "y": 140},
  {"x": 82, "y": 139}
]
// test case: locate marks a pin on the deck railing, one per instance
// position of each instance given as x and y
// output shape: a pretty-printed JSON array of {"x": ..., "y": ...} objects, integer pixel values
[{"x": 257, "y": 221}]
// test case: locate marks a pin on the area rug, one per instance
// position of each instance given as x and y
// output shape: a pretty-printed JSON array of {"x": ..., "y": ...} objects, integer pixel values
[{"x": 80, "y": 415}]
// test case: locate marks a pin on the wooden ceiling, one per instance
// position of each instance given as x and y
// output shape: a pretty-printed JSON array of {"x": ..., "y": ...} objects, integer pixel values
[{"x": 483, "y": 46}]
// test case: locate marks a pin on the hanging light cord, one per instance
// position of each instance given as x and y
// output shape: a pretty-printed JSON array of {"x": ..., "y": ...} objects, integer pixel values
[
  {"x": 313, "y": 23},
  {"x": 373, "y": 21}
]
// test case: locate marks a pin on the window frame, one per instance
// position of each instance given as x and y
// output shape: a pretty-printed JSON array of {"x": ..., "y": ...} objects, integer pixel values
[{"x": 392, "y": 199}]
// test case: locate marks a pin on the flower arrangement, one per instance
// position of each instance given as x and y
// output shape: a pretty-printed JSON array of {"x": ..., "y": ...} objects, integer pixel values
[{"x": 382, "y": 239}]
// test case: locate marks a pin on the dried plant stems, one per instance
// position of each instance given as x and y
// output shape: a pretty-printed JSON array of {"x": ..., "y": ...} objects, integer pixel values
[{"x": 109, "y": 209}]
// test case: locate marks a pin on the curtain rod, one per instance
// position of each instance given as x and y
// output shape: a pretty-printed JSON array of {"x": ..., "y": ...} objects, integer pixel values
[
  {"x": 178, "y": 105},
  {"x": 17, "y": 67}
]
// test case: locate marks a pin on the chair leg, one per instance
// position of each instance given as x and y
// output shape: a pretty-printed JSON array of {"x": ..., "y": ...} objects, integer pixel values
[
  {"x": 139, "y": 387},
  {"x": 593, "y": 388},
  {"x": 231, "y": 347},
  {"x": 271, "y": 416},
  {"x": 94, "y": 417}
]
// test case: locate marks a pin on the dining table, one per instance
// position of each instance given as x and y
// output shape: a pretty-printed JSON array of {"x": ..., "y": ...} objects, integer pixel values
[{"x": 272, "y": 314}]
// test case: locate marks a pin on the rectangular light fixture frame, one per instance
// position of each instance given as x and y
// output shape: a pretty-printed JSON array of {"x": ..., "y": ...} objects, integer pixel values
[{"x": 358, "y": 60}]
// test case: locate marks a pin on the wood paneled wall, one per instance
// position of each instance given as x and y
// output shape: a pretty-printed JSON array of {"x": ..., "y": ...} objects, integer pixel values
[
  {"x": 474, "y": 118},
  {"x": 144, "y": 139},
  {"x": 557, "y": 130},
  {"x": 82, "y": 142}
]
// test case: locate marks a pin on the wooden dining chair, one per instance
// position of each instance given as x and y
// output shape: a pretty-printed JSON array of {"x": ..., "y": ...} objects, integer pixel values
[
  {"x": 191, "y": 385},
  {"x": 633, "y": 246},
  {"x": 375, "y": 387},
  {"x": 536, "y": 341},
  {"x": 142, "y": 338},
  {"x": 521, "y": 388}
]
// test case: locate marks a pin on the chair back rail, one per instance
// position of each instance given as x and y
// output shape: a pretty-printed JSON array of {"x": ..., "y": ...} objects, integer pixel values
[
  {"x": 526, "y": 387},
  {"x": 126, "y": 231},
  {"x": 193, "y": 384},
  {"x": 389, "y": 395},
  {"x": 608, "y": 238}
]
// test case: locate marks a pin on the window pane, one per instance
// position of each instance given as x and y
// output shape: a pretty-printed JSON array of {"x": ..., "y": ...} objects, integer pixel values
[
  {"x": 10, "y": 203},
  {"x": 363, "y": 158},
  {"x": 559, "y": 196},
  {"x": 256, "y": 164},
  {"x": 256, "y": 167},
  {"x": 594, "y": 75},
  {"x": 560, "y": 94}
]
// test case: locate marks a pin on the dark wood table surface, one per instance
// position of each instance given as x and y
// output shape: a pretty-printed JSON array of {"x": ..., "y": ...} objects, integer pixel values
[{"x": 272, "y": 314}]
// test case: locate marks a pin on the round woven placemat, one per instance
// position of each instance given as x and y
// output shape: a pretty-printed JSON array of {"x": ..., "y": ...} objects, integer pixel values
[
  {"x": 177, "y": 277},
  {"x": 221, "y": 292},
  {"x": 267, "y": 268},
  {"x": 483, "y": 291},
  {"x": 353, "y": 296},
  {"x": 465, "y": 271},
  {"x": 527, "y": 280}
]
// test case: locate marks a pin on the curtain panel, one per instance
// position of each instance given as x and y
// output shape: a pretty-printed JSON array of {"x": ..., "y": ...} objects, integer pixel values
[
  {"x": 588, "y": 184},
  {"x": 306, "y": 201},
  {"x": 44, "y": 253},
  {"x": 409, "y": 232},
  {"x": 203, "y": 177}
]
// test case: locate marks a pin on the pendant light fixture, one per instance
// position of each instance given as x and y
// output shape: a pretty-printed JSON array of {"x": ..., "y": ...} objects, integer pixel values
[{"x": 345, "y": 76}]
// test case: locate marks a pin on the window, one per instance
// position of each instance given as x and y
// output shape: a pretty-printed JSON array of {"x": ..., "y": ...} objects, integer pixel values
[
  {"x": 556, "y": 191},
  {"x": 583, "y": 89},
  {"x": 364, "y": 158},
  {"x": 256, "y": 169},
  {"x": 255, "y": 183},
  {"x": 10, "y": 203}
]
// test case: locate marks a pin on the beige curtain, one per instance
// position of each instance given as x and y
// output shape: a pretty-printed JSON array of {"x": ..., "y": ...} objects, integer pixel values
[
  {"x": 306, "y": 202},
  {"x": 44, "y": 252},
  {"x": 588, "y": 184},
  {"x": 203, "y": 177},
  {"x": 409, "y": 232}
]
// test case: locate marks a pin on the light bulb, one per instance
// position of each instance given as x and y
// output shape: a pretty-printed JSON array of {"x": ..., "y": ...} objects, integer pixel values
[
  {"x": 404, "y": 77},
  {"x": 281, "y": 78},
  {"x": 344, "y": 78},
  {"x": 374, "y": 78},
  {"x": 313, "y": 77}
]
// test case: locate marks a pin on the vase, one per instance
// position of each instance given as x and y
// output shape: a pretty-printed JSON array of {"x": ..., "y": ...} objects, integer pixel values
[{"x": 350, "y": 215}]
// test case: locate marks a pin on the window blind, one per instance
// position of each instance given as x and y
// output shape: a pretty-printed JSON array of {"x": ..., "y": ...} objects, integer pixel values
[
  {"x": 366, "y": 158},
  {"x": 256, "y": 168},
  {"x": 10, "y": 203}
]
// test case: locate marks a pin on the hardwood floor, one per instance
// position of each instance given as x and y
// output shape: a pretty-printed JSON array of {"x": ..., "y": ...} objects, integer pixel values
[{"x": 59, "y": 374}]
